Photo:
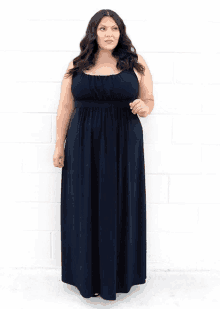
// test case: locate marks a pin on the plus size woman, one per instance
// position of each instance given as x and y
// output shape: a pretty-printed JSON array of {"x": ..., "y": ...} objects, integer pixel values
[{"x": 100, "y": 149}]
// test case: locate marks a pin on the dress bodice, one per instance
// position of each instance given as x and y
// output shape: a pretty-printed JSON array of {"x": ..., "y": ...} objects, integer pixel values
[{"x": 123, "y": 86}]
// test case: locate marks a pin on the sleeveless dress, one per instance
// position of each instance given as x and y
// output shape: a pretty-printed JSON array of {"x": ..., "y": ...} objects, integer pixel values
[{"x": 103, "y": 197}]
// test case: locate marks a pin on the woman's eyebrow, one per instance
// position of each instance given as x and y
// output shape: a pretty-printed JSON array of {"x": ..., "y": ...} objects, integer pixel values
[{"x": 106, "y": 26}]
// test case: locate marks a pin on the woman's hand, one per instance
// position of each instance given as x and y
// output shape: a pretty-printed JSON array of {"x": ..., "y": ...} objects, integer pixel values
[
  {"x": 58, "y": 158},
  {"x": 139, "y": 107}
]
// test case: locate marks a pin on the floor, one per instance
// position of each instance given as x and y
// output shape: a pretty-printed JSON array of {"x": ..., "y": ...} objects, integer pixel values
[{"x": 32, "y": 288}]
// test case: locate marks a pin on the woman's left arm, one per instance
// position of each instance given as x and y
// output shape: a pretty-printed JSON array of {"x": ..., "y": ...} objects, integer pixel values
[{"x": 144, "y": 105}]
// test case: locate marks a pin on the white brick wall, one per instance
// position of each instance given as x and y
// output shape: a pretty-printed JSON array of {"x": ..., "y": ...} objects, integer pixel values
[{"x": 179, "y": 41}]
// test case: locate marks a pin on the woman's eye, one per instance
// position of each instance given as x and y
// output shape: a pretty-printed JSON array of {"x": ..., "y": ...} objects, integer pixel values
[{"x": 114, "y": 28}]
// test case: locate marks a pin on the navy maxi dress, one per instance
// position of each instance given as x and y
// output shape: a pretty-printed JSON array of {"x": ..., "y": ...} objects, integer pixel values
[{"x": 103, "y": 196}]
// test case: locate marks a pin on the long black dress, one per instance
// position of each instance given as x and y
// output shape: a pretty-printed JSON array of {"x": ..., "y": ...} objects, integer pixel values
[{"x": 103, "y": 197}]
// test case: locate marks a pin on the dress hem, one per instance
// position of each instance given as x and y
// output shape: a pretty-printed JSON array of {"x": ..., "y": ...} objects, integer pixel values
[{"x": 93, "y": 294}]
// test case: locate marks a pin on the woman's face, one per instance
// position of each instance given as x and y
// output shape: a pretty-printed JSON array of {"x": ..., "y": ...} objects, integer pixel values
[{"x": 107, "y": 30}]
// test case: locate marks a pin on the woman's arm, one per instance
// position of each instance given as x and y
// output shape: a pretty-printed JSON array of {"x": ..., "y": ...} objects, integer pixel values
[{"x": 65, "y": 109}]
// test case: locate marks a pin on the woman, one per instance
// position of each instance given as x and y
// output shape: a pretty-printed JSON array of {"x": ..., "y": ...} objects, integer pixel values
[{"x": 103, "y": 196}]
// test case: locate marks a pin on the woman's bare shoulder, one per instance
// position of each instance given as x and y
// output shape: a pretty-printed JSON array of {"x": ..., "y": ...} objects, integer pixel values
[{"x": 70, "y": 66}]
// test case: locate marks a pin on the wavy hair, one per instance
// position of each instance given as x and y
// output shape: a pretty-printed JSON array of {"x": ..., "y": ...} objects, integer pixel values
[{"x": 124, "y": 52}]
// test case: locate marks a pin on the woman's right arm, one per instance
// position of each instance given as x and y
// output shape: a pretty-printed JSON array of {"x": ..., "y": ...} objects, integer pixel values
[{"x": 65, "y": 109}]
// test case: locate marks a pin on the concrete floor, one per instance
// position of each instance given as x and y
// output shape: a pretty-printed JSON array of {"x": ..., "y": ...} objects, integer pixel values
[{"x": 43, "y": 288}]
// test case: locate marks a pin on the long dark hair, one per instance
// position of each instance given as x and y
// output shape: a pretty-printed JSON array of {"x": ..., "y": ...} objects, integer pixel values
[{"x": 124, "y": 52}]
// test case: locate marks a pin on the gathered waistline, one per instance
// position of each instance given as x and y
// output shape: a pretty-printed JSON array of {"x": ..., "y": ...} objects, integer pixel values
[{"x": 92, "y": 103}]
